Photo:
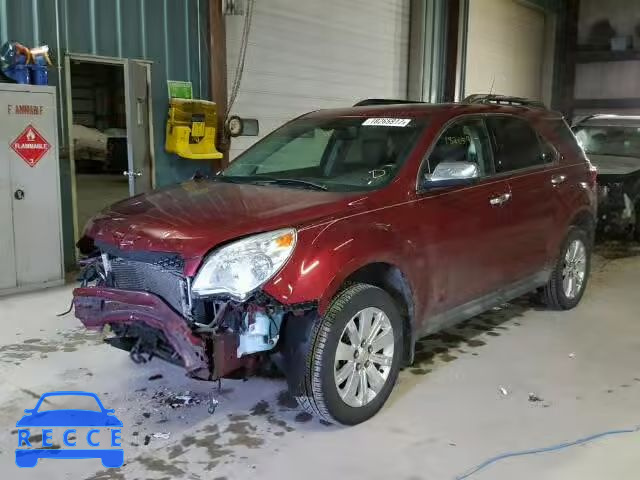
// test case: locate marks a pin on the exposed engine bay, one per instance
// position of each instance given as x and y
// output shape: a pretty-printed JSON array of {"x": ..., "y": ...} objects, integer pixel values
[
  {"x": 148, "y": 306},
  {"x": 617, "y": 208},
  {"x": 612, "y": 144},
  {"x": 618, "y": 196}
]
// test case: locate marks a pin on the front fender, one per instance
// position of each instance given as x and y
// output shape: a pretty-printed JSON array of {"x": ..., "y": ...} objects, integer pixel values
[{"x": 327, "y": 254}]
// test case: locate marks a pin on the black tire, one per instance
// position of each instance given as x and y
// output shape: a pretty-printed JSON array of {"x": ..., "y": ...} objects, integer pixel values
[
  {"x": 320, "y": 395},
  {"x": 553, "y": 294}
]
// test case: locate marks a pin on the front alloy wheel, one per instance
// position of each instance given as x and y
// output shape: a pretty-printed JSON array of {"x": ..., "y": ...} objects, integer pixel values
[
  {"x": 364, "y": 357},
  {"x": 353, "y": 359}
]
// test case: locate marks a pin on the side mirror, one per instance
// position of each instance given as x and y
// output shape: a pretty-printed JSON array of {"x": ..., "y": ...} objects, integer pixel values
[{"x": 448, "y": 174}]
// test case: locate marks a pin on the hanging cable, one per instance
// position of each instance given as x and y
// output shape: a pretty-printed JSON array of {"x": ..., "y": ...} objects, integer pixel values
[{"x": 235, "y": 88}]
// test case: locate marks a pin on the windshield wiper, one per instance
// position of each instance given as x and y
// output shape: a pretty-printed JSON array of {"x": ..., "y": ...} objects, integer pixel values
[
  {"x": 267, "y": 180},
  {"x": 290, "y": 181},
  {"x": 295, "y": 181}
]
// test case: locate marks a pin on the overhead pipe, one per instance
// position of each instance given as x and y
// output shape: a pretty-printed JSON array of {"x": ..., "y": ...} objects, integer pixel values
[{"x": 218, "y": 77}]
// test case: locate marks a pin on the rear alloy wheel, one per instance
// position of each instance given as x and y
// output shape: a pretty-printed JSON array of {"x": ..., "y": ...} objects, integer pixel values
[
  {"x": 574, "y": 269},
  {"x": 354, "y": 358},
  {"x": 570, "y": 274}
]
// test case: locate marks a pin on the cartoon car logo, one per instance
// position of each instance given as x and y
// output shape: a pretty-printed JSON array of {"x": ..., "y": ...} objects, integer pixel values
[{"x": 104, "y": 418}]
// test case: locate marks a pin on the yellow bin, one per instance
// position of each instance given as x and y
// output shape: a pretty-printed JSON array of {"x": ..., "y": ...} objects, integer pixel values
[{"x": 191, "y": 129}]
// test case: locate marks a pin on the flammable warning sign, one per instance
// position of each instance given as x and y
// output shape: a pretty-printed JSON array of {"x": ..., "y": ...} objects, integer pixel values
[{"x": 30, "y": 146}]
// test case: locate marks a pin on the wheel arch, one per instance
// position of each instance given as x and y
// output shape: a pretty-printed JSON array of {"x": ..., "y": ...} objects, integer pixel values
[
  {"x": 586, "y": 220},
  {"x": 390, "y": 278}
]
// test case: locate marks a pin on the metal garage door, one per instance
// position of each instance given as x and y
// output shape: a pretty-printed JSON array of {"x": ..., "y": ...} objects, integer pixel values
[
  {"x": 506, "y": 42},
  {"x": 307, "y": 54}
]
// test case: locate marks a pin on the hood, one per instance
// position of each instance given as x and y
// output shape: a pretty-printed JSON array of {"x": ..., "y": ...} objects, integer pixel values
[
  {"x": 193, "y": 217},
  {"x": 615, "y": 165}
]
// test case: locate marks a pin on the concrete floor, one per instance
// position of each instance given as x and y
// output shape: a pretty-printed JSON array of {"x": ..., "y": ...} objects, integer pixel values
[{"x": 446, "y": 415}]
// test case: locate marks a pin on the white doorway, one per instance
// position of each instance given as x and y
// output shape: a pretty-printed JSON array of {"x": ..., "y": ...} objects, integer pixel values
[{"x": 110, "y": 132}]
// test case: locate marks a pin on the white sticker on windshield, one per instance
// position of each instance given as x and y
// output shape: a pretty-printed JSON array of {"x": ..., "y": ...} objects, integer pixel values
[{"x": 387, "y": 122}]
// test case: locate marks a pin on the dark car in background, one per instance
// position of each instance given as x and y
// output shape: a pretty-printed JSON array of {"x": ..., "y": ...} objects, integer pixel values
[
  {"x": 338, "y": 240},
  {"x": 612, "y": 143}
]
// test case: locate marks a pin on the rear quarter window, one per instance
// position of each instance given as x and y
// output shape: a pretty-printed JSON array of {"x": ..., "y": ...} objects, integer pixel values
[
  {"x": 564, "y": 140},
  {"x": 516, "y": 144}
]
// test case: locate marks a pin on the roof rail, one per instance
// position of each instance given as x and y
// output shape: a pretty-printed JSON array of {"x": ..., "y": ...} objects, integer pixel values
[
  {"x": 383, "y": 101},
  {"x": 503, "y": 100}
]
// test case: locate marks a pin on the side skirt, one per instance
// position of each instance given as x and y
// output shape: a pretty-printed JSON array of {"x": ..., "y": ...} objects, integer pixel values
[{"x": 475, "y": 307}]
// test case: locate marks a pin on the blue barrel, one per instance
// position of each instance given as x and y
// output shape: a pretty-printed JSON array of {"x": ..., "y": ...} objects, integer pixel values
[
  {"x": 18, "y": 73},
  {"x": 39, "y": 75}
]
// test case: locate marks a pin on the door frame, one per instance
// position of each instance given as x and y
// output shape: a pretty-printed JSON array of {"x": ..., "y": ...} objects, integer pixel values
[{"x": 116, "y": 61}]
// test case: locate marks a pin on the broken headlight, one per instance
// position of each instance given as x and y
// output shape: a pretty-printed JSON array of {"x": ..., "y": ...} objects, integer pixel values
[{"x": 242, "y": 266}]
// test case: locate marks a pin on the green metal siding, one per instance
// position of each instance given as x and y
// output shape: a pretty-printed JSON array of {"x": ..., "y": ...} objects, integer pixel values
[{"x": 170, "y": 33}]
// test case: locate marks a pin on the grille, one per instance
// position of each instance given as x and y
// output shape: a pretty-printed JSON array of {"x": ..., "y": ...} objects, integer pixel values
[{"x": 165, "y": 282}]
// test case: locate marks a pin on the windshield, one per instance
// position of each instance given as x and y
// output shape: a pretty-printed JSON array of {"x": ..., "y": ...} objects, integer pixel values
[
  {"x": 613, "y": 140},
  {"x": 335, "y": 154}
]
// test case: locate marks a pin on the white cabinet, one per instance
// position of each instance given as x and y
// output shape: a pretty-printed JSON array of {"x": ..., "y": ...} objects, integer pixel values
[{"x": 30, "y": 205}]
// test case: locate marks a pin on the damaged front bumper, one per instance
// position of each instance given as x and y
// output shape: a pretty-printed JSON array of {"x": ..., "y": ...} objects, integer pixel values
[
  {"x": 150, "y": 321},
  {"x": 146, "y": 326},
  {"x": 617, "y": 209}
]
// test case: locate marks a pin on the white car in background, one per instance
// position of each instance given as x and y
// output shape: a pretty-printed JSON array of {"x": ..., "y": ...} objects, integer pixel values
[{"x": 95, "y": 150}]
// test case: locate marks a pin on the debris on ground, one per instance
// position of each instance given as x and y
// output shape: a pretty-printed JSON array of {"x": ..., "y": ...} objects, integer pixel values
[
  {"x": 157, "y": 376},
  {"x": 534, "y": 398},
  {"x": 163, "y": 435},
  {"x": 503, "y": 391},
  {"x": 184, "y": 399},
  {"x": 147, "y": 439},
  {"x": 213, "y": 404},
  {"x": 176, "y": 400},
  {"x": 572, "y": 355}
]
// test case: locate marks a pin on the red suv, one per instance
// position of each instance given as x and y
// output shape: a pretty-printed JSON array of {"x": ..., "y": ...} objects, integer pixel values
[{"x": 338, "y": 240}]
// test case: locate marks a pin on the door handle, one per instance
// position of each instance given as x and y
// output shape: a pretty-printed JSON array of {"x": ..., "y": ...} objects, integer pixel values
[
  {"x": 558, "y": 179},
  {"x": 131, "y": 174},
  {"x": 500, "y": 199}
]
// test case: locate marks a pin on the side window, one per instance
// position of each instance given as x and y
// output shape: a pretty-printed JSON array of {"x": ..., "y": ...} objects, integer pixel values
[
  {"x": 549, "y": 154},
  {"x": 464, "y": 141},
  {"x": 516, "y": 144}
]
